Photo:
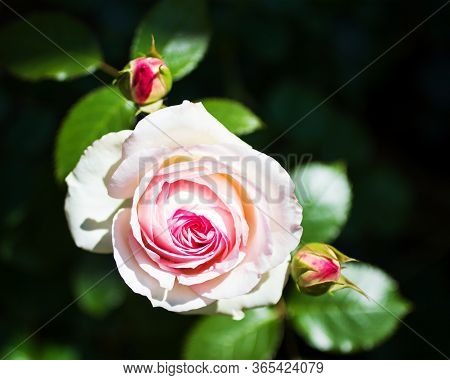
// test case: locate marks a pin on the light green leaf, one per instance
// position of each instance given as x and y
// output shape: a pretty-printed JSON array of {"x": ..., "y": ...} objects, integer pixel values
[
  {"x": 325, "y": 194},
  {"x": 257, "y": 336},
  {"x": 101, "y": 111},
  {"x": 181, "y": 34},
  {"x": 347, "y": 321},
  {"x": 29, "y": 50},
  {"x": 97, "y": 288},
  {"x": 233, "y": 115}
]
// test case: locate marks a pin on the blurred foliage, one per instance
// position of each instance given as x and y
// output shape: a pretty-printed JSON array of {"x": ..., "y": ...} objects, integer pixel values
[
  {"x": 219, "y": 337},
  {"x": 97, "y": 287},
  {"x": 346, "y": 321},
  {"x": 233, "y": 115},
  {"x": 181, "y": 33},
  {"x": 325, "y": 195},
  {"x": 49, "y": 351},
  {"x": 101, "y": 111},
  {"x": 282, "y": 59},
  {"x": 51, "y": 45}
]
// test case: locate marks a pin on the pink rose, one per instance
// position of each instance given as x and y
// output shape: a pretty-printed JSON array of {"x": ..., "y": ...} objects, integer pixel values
[
  {"x": 197, "y": 219},
  {"x": 145, "y": 80},
  {"x": 317, "y": 269},
  {"x": 321, "y": 269}
]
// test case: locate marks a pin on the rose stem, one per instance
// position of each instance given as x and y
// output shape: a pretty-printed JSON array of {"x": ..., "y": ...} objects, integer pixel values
[{"x": 108, "y": 69}]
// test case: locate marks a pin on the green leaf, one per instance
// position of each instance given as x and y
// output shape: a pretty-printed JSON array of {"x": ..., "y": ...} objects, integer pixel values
[
  {"x": 233, "y": 115},
  {"x": 97, "y": 287},
  {"x": 51, "y": 45},
  {"x": 181, "y": 34},
  {"x": 347, "y": 322},
  {"x": 101, "y": 111},
  {"x": 257, "y": 336},
  {"x": 325, "y": 194}
]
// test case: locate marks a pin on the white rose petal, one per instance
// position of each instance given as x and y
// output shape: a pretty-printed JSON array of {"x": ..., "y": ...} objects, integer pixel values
[{"x": 89, "y": 208}]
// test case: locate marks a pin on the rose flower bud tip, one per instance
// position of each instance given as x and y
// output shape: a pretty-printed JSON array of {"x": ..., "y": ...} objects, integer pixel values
[
  {"x": 316, "y": 269},
  {"x": 145, "y": 80}
]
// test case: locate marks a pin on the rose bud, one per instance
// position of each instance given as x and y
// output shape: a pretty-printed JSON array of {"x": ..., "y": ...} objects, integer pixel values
[
  {"x": 316, "y": 269},
  {"x": 145, "y": 80}
]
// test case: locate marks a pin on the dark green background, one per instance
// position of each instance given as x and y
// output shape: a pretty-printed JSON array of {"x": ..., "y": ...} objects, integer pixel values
[{"x": 281, "y": 58}]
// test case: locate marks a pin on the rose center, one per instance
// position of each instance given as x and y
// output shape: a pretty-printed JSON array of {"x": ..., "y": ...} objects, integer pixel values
[{"x": 191, "y": 231}]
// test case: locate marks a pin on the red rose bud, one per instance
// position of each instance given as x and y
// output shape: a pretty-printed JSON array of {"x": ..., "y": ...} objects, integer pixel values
[
  {"x": 145, "y": 80},
  {"x": 316, "y": 269}
]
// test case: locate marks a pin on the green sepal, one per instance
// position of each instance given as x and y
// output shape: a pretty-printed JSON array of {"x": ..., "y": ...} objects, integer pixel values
[
  {"x": 153, "y": 52},
  {"x": 341, "y": 257},
  {"x": 345, "y": 283},
  {"x": 123, "y": 83},
  {"x": 326, "y": 250},
  {"x": 299, "y": 267},
  {"x": 331, "y": 287},
  {"x": 166, "y": 76},
  {"x": 152, "y": 107},
  {"x": 317, "y": 289}
]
